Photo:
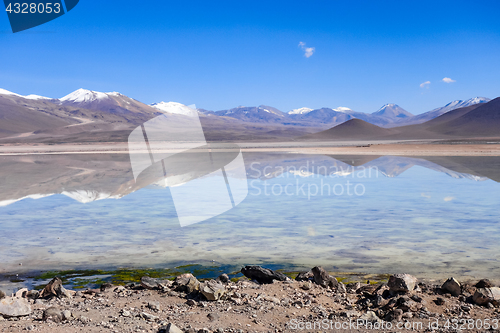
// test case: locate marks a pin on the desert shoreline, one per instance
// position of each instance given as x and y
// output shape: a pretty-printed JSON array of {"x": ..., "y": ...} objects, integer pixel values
[{"x": 411, "y": 148}]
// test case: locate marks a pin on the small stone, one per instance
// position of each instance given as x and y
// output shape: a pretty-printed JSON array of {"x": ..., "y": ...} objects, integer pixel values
[
  {"x": 187, "y": 282},
  {"x": 14, "y": 307},
  {"x": 148, "y": 316},
  {"x": 353, "y": 287},
  {"x": 106, "y": 286},
  {"x": 306, "y": 285},
  {"x": 224, "y": 278},
  {"x": 53, "y": 314},
  {"x": 484, "y": 296},
  {"x": 394, "y": 315},
  {"x": 262, "y": 275},
  {"x": 305, "y": 276},
  {"x": 439, "y": 301},
  {"x": 125, "y": 313},
  {"x": 2, "y": 294},
  {"x": 149, "y": 283},
  {"x": 55, "y": 289},
  {"x": 191, "y": 302},
  {"x": 33, "y": 294},
  {"x": 465, "y": 308},
  {"x": 452, "y": 286},
  {"x": 341, "y": 288},
  {"x": 212, "y": 316},
  {"x": 324, "y": 279},
  {"x": 170, "y": 328},
  {"x": 417, "y": 298},
  {"x": 484, "y": 283},
  {"x": 66, "y": 315},
  {"x": 370, "y": 317},
  {"x": 21, "y": 293},
  {"x": 402, "y": 282},
  {"x": 212, "y": 290},
  {"x": 155, "y": 306}
]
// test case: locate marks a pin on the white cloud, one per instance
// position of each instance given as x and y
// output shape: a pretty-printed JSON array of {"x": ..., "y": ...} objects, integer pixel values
[
  {"x": 424, "y": 84},
  {"x": 308, "y": 51},
  {"x": 448, "y": 80},
  {"x": 448, "y": 199}
]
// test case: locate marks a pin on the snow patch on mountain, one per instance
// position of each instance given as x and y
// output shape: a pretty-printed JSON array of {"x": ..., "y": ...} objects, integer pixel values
[
  {"x": 342, "y": 109},
  {"x": 84, "y": 96},
  {"x": 300, "y": 111},
  {"x": 6, "y": 92},
  {"x": 174, "y": 108},
  {"x": 36, "y": 97},
  {"x": 461, "y": 104}
]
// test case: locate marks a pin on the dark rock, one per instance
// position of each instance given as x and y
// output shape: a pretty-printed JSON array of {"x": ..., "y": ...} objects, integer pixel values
[
  {"x": 54, "y": 289},
  {"x": 2, "y": 294},
  {"x": 33, "y": 294},
  {"x": 305, "y": 276},
  {"x": 106, "y": 286},
  {"x": 324, "y": 279},
  {"x": 402, "y": 282},
  {"x": 223, "y": 278},
  {"x": 150, "y": 283},
  {"x": 452, "y": 286},
  {"x": 262, "y": 275},
  {"x": 439, "y": 301},
  {"x": 187, "y": 283},
  {"x": 53, "y": 314},
  {"x": 417, "y": 298},
  {"x": 394, "y": 315},
  {"x": 484, "y": 283},
  {"x": 484, "y": 296},
  {"x": 381, "y": 289}
]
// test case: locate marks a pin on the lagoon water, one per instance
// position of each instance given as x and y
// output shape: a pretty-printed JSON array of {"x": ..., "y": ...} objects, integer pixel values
[{"x": 429, "y": 217}]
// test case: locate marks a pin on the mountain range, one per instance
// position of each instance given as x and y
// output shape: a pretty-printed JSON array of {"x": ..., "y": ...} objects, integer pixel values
[
  {"x": 474, "y": 121},
  {"x": 111, "y": 117}
]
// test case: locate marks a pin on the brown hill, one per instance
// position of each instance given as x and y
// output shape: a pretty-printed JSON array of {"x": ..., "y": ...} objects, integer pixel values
[
  {"x": 354, "y": 129},
  {"x": 480, "y": 121}
]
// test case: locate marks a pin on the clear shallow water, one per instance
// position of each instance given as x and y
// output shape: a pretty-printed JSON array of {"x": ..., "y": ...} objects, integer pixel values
[{"x": 419, "y": 220}]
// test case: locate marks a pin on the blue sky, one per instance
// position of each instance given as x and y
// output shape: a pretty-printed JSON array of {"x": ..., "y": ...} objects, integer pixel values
[{"x": 221, "y": 54}]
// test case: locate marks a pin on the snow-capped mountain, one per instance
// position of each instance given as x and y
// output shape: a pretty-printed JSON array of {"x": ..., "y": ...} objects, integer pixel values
[
  {"x": 175, "y": 108},
  {"x": 111, "y": 102},
  {"x": 460, "y": 104},
  {"x": 87, "y": 96},
  {"x": 422, "y": 118},
  {"x": 33, "y": 97},
  {"x": 300, "y": 111},
  {"x": 256, "y": 114},
  {"x": 6, "y": 92},
  {"x": 392, "y": 111}
]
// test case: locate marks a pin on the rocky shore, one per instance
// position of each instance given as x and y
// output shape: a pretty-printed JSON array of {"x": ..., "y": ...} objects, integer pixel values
[{"x": 262, "y": 301}]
